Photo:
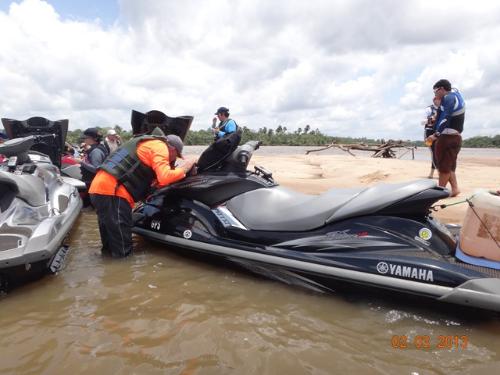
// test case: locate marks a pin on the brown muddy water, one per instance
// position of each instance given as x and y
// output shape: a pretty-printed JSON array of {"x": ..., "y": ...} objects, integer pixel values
[{"x": 158, "y": 312}]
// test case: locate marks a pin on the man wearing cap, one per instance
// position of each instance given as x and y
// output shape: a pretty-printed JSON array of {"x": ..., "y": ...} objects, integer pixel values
[
  {"x": 126, "y": 177},
  {"x": 112, "y": 141},
  {"x": 95, "y": 153},
  {"x": 226, "y": 125}
]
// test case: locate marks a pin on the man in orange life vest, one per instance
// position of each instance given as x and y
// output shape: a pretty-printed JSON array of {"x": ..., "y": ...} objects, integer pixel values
[{"x": 126, "y": 177}]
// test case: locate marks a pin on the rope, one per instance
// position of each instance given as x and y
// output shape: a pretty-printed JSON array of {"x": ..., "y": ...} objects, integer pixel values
[
  {"x": 443, "y": 206},
  {"x": 482, "y": 223},
  {"x": 471, "y": 205}
]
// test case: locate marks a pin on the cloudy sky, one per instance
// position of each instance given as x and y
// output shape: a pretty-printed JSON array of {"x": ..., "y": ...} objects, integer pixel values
[{"x": 350, "y": 68}]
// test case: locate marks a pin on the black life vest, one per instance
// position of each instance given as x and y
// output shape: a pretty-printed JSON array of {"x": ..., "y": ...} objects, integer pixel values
[
  {"x": 124, "y": 164},
  {"x": 457, "y": 122},
  {"x": 223, "y": 127}
]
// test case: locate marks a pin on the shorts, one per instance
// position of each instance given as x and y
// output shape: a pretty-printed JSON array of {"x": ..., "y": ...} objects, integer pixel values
[{"x": 446, "y": 152}]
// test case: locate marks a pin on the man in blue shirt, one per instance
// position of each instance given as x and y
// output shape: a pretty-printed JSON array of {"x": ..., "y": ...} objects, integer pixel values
[
  {"x": 226, "y": 125},
  {"x": 448, "y": 128}
]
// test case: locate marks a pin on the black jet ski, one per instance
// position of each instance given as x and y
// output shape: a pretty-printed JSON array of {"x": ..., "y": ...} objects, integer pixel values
[
  {"x": 37, "y": 206},
  {"x": 381, "y": 236}
]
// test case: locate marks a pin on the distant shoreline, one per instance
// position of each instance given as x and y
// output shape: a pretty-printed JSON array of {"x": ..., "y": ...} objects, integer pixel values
[{"x": 421, "y": 153}]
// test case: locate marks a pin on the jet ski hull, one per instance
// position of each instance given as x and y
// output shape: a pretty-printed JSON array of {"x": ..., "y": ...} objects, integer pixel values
[
  {"x": 374, "y": 251},
  {"x": 379, "y": 236},
  {"x": 39, "y": 249}
]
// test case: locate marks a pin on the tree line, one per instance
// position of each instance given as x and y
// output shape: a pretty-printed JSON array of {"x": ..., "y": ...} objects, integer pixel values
[{"x": 282, "y": 136}]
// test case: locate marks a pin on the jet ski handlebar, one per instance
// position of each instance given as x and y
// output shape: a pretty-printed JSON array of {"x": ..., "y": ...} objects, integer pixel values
[{"x": 260, "y": 170}]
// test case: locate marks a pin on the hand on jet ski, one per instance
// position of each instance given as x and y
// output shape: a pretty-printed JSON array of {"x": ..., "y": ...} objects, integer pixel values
[
  {"x": 127, "y": 176},
  {"x": 189, "y": 167}
]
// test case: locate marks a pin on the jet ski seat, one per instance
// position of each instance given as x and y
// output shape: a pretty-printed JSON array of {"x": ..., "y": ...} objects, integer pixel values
[
  {"x": 7, "y": 194},
  {"x": 29, "y": 188},
  {"x": 281, "y": 209}
]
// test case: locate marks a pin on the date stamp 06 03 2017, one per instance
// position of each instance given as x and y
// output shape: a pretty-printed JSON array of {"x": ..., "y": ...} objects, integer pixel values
[{"x": 428, "y": 342}]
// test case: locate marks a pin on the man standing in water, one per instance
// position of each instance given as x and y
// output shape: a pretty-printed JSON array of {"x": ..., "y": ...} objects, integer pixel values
[
  {"x": 447, "y": 136},
  {"x": 126, "y": 177},
  {"x": 94, "y": 155}
]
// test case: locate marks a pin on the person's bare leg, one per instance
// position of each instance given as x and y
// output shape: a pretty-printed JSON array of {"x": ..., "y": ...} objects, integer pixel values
[
  {"x": 444, "y": 177},
  {"x": 454, "y": 185}
]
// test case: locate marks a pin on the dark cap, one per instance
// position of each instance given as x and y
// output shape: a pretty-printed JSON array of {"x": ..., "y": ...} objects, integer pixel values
[
  {"x": 3, "y": 136},
  {"x": 93, "y": 133},
  {"x": 176, "y": 142},
  {"x": 222, "y": 110}
]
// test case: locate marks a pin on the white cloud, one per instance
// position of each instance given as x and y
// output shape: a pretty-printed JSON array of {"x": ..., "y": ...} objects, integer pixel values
[{"x": 347, "y": 67}]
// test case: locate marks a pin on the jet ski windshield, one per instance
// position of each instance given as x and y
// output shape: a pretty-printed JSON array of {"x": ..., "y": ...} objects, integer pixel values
[
  {"x": 52, "y": 146},
  {"x": 145, "y": 122},
  {"x": 19, "y": 147}
]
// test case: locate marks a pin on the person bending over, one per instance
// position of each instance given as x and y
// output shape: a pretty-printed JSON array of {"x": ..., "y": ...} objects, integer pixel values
[{"x": 126, "y": 177}]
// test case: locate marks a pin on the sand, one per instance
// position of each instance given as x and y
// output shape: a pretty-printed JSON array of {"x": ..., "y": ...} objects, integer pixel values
[{"x": 316, "y": 173}]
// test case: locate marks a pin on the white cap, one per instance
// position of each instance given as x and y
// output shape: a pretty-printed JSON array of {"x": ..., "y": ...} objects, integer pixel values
[{"x": 111, "y": 132}]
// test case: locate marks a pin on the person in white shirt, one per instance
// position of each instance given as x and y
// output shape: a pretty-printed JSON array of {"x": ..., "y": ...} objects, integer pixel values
[
  {"x": 112, "y": 141},
  {"x": 431, "y": 113}
]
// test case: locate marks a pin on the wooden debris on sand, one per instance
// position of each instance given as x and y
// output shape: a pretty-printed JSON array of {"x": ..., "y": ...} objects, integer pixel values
[{"x": 383, "y": 150}]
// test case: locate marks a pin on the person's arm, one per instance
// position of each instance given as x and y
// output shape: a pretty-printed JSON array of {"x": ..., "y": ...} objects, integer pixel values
[
  {"x": 96, "y": 157},
  {"x": 155, "y": 154},
  {"x": 447, "y": 105}
]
